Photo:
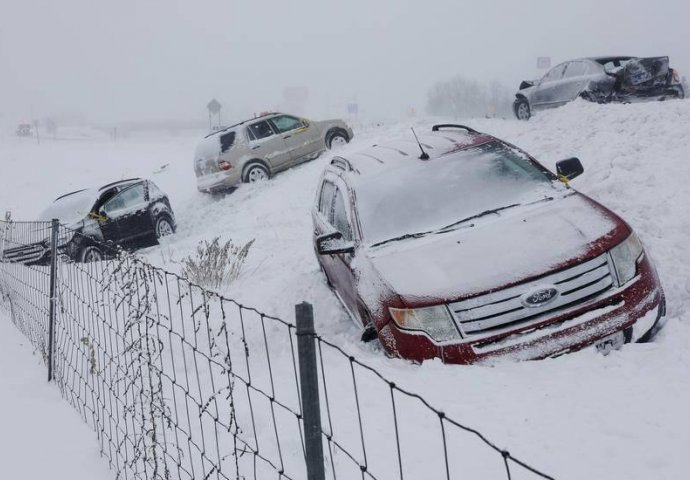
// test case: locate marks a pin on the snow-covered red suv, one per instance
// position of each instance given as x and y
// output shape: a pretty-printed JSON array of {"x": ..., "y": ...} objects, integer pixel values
[{"x": 465, "y": 248}]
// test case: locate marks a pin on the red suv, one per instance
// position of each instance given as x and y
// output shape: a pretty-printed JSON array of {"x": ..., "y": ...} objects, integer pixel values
[{"x": 463, "y": 247}]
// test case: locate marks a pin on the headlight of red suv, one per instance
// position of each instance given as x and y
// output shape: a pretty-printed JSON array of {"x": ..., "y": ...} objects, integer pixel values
[
  {"x": 437, "y": 322},
  {"x": 625, "y": 256}
]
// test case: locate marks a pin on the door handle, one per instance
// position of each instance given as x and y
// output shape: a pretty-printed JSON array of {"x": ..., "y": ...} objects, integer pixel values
[
  {"x": 255, "y": 147},
  {"x": 286, "y": 137}
]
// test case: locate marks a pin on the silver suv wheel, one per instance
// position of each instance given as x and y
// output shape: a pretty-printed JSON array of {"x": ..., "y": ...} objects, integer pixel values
[
  {"x": 337, "y": 141},
  {"x": 257, "y": 173}
]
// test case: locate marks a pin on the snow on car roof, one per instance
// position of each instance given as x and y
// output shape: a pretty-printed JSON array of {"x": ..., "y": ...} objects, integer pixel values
[
  {"x": 119, "y": 182},
  {"x": 95, "y": 192},
  {"x": 225, "y": 129},
  {"x": 611, "y": 58},
  {"x": 390, "y": 154}
]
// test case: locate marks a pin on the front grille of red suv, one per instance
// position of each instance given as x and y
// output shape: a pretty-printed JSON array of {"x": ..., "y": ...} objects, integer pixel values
[{"x": 506, "y": 309}]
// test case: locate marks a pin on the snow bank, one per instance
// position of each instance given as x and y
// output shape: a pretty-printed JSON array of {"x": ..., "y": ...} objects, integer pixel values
[
  {"x": 579, "y": 416},
  {"x": 42, "y": 436}
]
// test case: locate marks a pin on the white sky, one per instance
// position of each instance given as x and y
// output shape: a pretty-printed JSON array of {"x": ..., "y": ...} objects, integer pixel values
[{"x": 125, "y": 60}]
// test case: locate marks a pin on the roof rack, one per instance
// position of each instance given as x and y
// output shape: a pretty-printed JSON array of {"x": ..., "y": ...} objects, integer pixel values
[
  {"x": 436, "y": 128},
  {"x": 127, "y": 180},
  {"x": 225, "y": 129}
]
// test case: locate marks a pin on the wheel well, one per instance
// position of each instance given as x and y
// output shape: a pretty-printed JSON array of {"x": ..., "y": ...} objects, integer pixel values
[
  {"x": 254, "y": 161},
  {"x": 85, "y": 245},
  {"x": 167, "y": 216},
  {"x": 520, "y": 98},
  {"x": 335, "y": 130}
]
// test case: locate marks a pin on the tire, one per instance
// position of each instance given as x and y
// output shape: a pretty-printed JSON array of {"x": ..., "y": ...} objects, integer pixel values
[
  {"x": 91, "y": 253},
  {"x": 522, "y": 109},
  {"x": 164, "y": 226},
  {"x": 337, "y": 139},
  {"x": 369, "y": 332},
  {"x": 255, "y": 172}
]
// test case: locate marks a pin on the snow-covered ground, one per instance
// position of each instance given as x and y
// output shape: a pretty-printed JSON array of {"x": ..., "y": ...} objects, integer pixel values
[
  {"x": 42, "y": 436},
  {"x": 579, "y": 416}
]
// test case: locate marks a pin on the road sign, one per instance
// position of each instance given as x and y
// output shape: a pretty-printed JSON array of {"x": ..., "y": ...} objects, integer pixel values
[{"x": 544, "y": 62}]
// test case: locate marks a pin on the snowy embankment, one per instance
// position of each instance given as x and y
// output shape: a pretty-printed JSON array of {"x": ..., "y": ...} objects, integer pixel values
[
  {"x": 42, "y": 436},
  {"x": 578, "y": 416}
]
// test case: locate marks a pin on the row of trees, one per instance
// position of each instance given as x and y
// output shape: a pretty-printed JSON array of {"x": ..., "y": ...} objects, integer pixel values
[{"x": 460, "y": 97}]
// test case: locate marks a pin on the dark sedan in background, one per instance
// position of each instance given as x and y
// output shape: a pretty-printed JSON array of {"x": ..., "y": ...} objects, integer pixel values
[
  {"x": 130, "y": 214},
  {"x": 599, "y": 79}
]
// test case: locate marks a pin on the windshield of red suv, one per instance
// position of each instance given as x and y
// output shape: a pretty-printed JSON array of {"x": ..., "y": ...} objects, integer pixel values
[{"x": 448, "y": 192}]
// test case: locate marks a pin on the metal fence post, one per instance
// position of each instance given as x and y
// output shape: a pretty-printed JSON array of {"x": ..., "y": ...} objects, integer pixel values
[
  {"x": 55, "y": 225},
  {"x": 309, "y": 386}
]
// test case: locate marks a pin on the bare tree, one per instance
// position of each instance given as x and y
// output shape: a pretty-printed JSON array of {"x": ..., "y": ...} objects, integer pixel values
[{"x": 462, "y": 97}]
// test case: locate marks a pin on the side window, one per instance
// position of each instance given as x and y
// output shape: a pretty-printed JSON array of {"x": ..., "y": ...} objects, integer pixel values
[
  {"x": 259, "y": 130},
  {"x": 285, "y": 123},
  {"x": 575, "y": 69},
  {"x": 340, "y": 221},
  {"x": 326, "y": 200},
  {"x": 125, "y": 201},
  {"x": 226, "y": 141},
  {"x": 556, "y": 73}
]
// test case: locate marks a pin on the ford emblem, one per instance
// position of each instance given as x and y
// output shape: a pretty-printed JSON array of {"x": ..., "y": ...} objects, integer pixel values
[{"x": 539, "y": 296}]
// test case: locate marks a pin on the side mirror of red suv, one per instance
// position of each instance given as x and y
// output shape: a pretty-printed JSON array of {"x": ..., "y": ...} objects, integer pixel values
[
  {"x": 333, "y": 243},
  {"x": 569, "y": 168}
]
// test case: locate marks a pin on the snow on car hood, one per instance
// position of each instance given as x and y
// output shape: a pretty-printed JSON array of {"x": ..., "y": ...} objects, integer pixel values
[
  {"x": 71, "y": 208},
  {"x": 498, "y": 250}
]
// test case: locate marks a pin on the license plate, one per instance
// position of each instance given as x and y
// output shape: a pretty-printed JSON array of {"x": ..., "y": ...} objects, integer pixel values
[{"x": 611, "y": 343}]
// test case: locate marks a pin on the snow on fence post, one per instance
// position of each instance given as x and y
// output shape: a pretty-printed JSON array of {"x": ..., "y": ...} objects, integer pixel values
[
  {"x": 309, "y": 389},
  {"x": 55, "y": 225}
]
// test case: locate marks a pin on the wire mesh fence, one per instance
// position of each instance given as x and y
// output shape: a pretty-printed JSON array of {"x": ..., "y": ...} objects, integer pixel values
[{"x": 182, "y": 383}]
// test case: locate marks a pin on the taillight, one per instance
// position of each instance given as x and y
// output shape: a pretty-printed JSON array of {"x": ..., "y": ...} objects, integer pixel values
[{"x": 224, "y": 165}]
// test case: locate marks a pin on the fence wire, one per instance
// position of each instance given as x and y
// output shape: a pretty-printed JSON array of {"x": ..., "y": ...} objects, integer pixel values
[{"x": 181, "y": 383}]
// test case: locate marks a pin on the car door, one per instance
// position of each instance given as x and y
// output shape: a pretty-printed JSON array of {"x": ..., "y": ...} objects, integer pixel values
[
  {"x": 335, "y": 266},
  {"x": 129, "y": 211},
  {"x": 106, "y": 225},
  {"x": 548, "y": 91},
  {"x": 574, "y": 81},
  {"x": 323, "y": 220},
  {"x": 343, "y": 275},
  {"x": 265, "y": 143},
  {"x": 302, "y": 138}
]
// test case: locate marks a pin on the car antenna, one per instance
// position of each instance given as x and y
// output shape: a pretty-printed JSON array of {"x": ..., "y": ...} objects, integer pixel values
[{"x": 424, "y": 155}]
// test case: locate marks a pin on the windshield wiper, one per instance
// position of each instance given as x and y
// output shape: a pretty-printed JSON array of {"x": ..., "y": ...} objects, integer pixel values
[
  {"x": 402, "y": 237},
  {"x": 459, "y": 222},
  {"x": 489, "y": 212},
  {"x": 478, "y": 215},
  {"x": 415, "y": 235}
]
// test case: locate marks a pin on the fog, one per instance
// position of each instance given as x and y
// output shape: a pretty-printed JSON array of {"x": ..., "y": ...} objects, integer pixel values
[{"x": 150, "y": 60}]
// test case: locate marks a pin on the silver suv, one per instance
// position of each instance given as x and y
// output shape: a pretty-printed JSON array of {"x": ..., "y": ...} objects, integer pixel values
[{"x": 256, "y": 149}]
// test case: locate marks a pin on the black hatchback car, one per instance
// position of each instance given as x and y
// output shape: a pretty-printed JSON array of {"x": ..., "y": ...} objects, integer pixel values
[
  {"x": 130, "y": 214},
  {"x": 599, "y": 79}
]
